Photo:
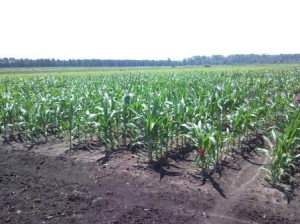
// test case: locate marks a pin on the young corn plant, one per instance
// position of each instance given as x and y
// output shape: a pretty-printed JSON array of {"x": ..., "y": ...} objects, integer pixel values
[
  {"x": 69, "y": 108},
  {"x": 282, "y": 150},
  {"x": 126, "y": 116},
  {"x": 278, "y": 157},
  {"x": 8, "y": 120},
  {"x": 181, "y": 111},
  {"x": 208, "y": 148},
  {"x": 43, "y": 118},
  {"x": 150, "y": 122},
  {"x": 106, "y": 118},
  {"x": 29, "y": 114}
]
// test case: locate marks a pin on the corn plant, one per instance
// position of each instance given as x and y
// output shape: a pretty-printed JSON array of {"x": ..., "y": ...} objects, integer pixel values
[
  {"x": 126, "y": 116},
  {"x": 105, "y": 116},
  {"x": 150, "y": 122},
  {"x": 204, "y": 139},
  {"x": 282, "y": 150},
  {"x": 158, "y": 110}
]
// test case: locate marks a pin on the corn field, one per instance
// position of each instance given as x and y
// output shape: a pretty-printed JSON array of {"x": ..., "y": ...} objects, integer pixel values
[{"x": 211, "y": 112}]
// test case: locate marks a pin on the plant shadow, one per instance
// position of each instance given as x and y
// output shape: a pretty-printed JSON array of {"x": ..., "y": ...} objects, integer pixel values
[
  {"x": 162, "y": 167},
  {"x": 288, "y": 194},
  {"x": 208, "y": 177}
]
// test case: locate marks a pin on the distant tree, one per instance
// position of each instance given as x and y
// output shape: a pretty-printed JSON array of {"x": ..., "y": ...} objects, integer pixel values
[{"x": 195, "y": 60}]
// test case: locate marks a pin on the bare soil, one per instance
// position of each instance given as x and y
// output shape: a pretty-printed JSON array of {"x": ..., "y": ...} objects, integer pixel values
[{"x": 51, "y": 184}]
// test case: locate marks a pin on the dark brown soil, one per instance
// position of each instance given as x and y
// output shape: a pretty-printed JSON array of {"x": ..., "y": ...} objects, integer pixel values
[{"x": 50, "y": 184}]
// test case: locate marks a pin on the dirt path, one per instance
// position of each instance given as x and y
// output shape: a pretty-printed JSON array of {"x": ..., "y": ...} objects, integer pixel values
[
  {"x": 236, "y": 188},
  {"x": 50, "y": 184}
]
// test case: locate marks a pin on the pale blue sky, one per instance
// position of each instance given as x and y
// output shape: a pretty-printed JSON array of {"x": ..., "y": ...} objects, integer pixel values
[{"x": 147, "y": 29}]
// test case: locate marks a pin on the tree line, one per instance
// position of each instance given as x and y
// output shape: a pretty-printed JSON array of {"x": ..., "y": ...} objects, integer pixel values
[{"x": 237, "y": 59}]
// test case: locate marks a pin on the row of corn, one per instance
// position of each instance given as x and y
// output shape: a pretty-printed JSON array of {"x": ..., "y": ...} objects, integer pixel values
[{"x": 212, "y": 111}]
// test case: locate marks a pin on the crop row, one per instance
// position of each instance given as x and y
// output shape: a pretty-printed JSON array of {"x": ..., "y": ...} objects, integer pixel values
[{"x": 212, "y": 111}]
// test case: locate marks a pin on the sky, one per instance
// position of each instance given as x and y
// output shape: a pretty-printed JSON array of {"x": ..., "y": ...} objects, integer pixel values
[{"x": 147, "y": 29}]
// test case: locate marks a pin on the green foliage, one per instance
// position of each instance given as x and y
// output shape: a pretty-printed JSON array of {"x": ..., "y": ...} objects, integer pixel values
[
  {"x": 283, "y": 145},
  {"x": 159, "y": 110}
]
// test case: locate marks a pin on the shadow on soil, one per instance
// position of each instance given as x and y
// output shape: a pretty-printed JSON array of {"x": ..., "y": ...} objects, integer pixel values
[
  {"x": 162, "y": 165},
  {"x": 288, "y": 194},
  {"x": 162, "y": 170},
  {"x": 214, "y": 183}
]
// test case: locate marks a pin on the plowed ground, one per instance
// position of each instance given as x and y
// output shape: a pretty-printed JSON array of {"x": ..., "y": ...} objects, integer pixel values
[{"x": 50, "y": 184}]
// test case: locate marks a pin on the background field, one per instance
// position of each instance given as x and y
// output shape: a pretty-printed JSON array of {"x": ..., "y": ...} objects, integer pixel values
[{"x": 53, "y": 71}]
